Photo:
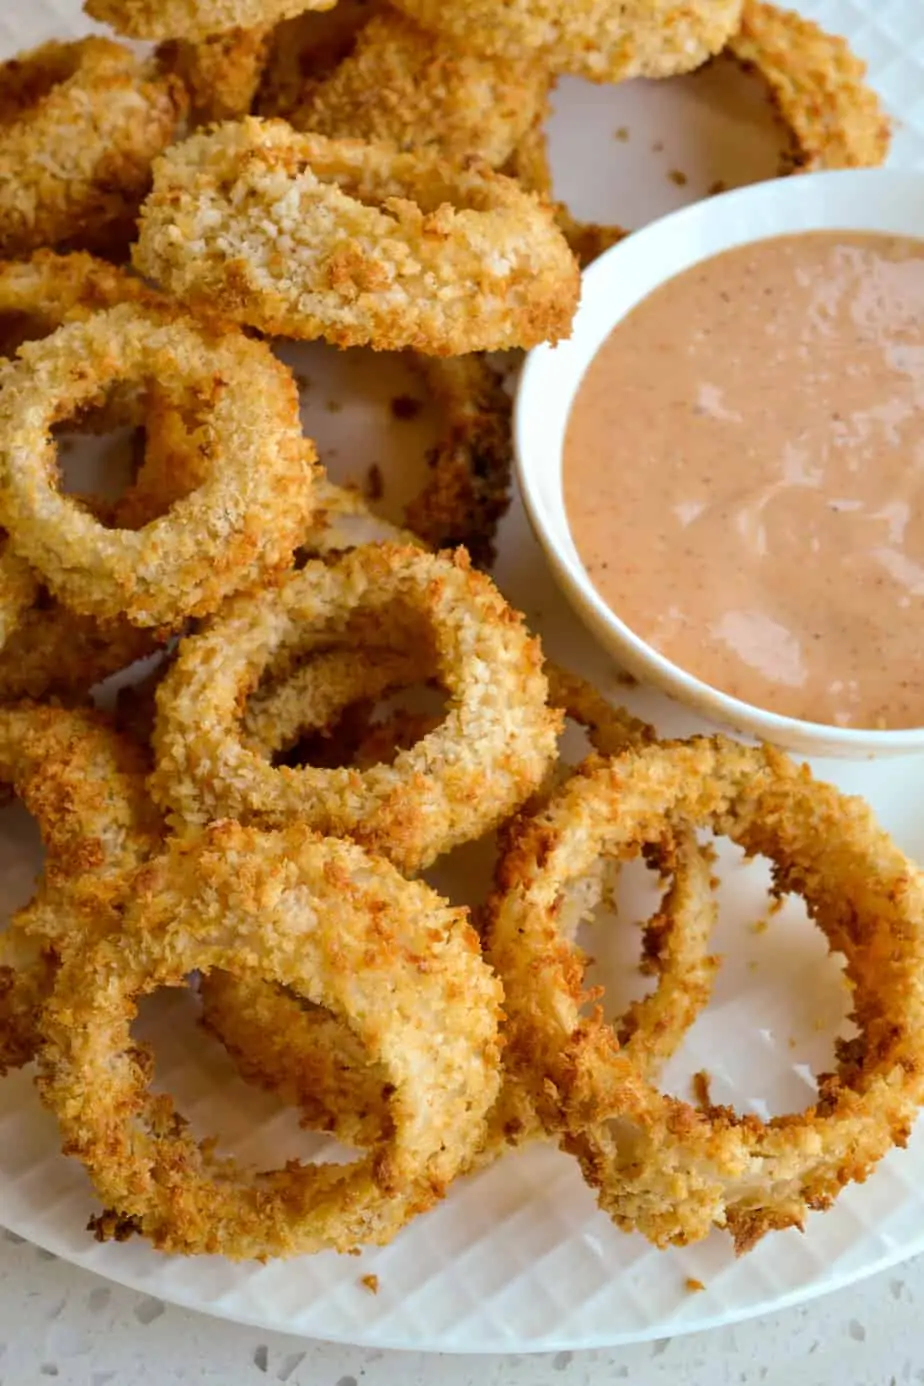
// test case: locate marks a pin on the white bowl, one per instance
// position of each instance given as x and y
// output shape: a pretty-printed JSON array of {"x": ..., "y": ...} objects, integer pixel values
[{"x": 869, "y": 200}]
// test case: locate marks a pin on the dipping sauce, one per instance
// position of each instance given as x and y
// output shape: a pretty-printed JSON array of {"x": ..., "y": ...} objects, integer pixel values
[{"x": 744, "y": 475}]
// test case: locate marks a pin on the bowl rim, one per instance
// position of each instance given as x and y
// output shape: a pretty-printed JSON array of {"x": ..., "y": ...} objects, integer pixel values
[{"x": 807, "y": 202}]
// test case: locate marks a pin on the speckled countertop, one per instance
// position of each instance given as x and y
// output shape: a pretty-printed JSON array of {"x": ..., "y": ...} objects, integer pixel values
[{"x": 64, "y": 1324}]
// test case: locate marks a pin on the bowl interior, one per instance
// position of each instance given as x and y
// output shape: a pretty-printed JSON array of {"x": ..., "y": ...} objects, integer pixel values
[{"x": 883, "y": 200}]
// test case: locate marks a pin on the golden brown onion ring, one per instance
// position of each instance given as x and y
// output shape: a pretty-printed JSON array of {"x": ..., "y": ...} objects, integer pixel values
[
  {"x": 819, "y": 86},
  {"x": 595, "y": 39},
  {"x": 405, "y": 86},
  {"x": 194, "y": 19},
  {"x": 307, "y": 237},
  {"x": 306, "y": 49},
  {"x": 221, "y": 73},
  {"x": 467, "y": 492},
  {"x": 659, "y": 1165},
  {"x": 345, "y": 931},
  {"x": 240, "y": 524},
  {"x": 487, "y": 756},
  {"x": 85, "y": 786},
  {"x": 80, "y": 124}
]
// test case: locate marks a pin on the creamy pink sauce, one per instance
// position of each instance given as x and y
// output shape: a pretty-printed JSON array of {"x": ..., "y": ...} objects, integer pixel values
[{"x": 744, "y": 475}]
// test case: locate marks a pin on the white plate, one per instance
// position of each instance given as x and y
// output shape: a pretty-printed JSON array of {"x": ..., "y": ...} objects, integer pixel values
[{"x": 519, "y": 1259}]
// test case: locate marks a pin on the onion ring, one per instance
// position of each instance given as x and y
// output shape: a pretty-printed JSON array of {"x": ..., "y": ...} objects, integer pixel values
[
  {"x": 85, "y": 786},
  {"x": 311, "y": 1061},
  {"x": 382, "y": 249},
  {"x": 497, "y": 731},
  {"x": 194, "y": 19},
  {"x": 468, "y": 491},
  {"x": 819, "y": 87},
  {"x": 307, "y": 48},
  {"x": 658, "y": 1164},
  {"x": 81, "y": 123},
  {"x": 221, "y": 73},
  {"x": 597, "y": 40},
  {"x": 342, "y": 929},
  {"x": 404, "y": 86},
  {"x": 241, "y": 524}
]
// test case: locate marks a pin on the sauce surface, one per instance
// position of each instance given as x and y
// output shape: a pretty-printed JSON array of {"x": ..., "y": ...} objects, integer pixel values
[{"x": 744, "y": 475}]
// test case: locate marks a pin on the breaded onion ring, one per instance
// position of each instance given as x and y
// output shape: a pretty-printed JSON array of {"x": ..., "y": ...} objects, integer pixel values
[
  {"x": 490, "y": 752},
  {"x": 194, "y": 19},
  {"x": 819, "y": 86},
  {"x": 306, "y": 49},
  {"x": 80, "y": 124},
  {"x": 345, "y": 931},
  {"x": 85, "y": 786},
  {"x": 313, "y": 1062},
  {"x": 660, "y": 1165},
  {"x": 307, "y": 237},
  {"x": 467, "y": 492},
  {"x": 405, "y": 86},
  {"x": 243, "y": 522},
  {"x": 599, "y": 40},
  {"x": 221, "y": 74},
  {"x": 18, "y": 590}
]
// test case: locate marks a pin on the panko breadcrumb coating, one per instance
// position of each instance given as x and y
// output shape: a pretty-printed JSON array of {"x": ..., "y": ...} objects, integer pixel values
[
  {"x": 80, "y": 124},
  {"x": 406, "y": 86},
  {"x": 240, "y": 525},
  {"x": 661, "y": 1166},
  {"x": 307, "y": 237},
  {"x": 345, "y": 931},
  {"x": 221, "y": 74},
  {"x": 85, "y": 787},
  {"x": 596, "y": 39},
  {"x": 489, "y": 753},
  {"x": 306, "y": 49},
  {"x": 819, "y": 86},
  {"x": 194, "y": 19},
  {"x": 467, "y": 492}
]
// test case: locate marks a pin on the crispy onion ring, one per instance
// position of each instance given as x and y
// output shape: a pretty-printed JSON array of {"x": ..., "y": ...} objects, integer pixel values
[
  {"x": 242, "y": 523},
  {"x": 819, "y": 86},
  {"x": 85, "y": 786},
  {"x": 382, "y": 249},
  {"x": 18, "y": 590},
  {"x": 194, "y": 19},
  {"x": 497, "y": 730},
  {"x": 307, "y": 48},
  {"x": 403, "y": 85},
  {"x": 345, "y": 931},
  {"x": 660, "y": 1165},
  {"x": 596, "y": 39},
  {"x": 80, "y": 124},
  {"x": 410, "y": 811},
  {"x": 467, "y": 492},
  {"x": 313, "y": 1062},
  {"x": 221, "y": 74}
]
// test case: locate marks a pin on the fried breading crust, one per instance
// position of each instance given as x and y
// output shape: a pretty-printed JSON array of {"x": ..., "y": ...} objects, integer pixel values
[
  {"x": 221, "y": 74},
  {"x": 819, "y": 86},
  {"x": 596, "y": 39},
  {"x": 307, "y": 237},
  {"x": 659, "y": 1165},
  {"x": 343, "y": 930},
  {"x": 488, "y": 755},
  {"x": 240, "y": 525},
  {"x": 194, "y": 19},
  {"x": 85, "y": 787},
  {"x": 80, "y": 124},
  {"x": 404, "y": 85}
]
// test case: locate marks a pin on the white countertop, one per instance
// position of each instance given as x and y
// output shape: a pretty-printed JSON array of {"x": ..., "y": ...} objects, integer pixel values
[{"x": 63, "y": 1324}]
